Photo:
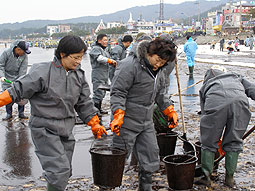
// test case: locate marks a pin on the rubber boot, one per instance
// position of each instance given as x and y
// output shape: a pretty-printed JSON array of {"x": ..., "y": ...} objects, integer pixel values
[
  {"x": 9, "y": 112},
  {"x": 51, "y": 188},
  {"x": 207, "y": 162},
  {"x": 231, "y": 159},
  {"x": 21, "y": 112},
  {"x": 145, "y": 181},
  {"x": 191, "y": 68}
]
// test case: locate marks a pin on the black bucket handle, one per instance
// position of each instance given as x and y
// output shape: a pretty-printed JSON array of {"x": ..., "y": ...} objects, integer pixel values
[{"x": 188, "y": 160}]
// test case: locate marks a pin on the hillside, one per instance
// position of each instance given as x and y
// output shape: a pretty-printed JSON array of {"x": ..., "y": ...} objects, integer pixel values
[{"x": 150, "y": 12}]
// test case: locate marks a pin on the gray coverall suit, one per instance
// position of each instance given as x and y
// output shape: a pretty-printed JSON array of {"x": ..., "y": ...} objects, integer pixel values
[
  {"x": 224, "y": 102},
  {"x": 12, "y": 68},
  {"x": 135, "y": 90},
  {"x": 100, "y": 73},
  {"x": 54, "y": 95},
  {"x": 118, "y": 53}
]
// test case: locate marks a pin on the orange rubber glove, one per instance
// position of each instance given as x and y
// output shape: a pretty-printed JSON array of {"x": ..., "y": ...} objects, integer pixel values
[
  {"x": 172, "y": 116},
  {"x": 220, "y": 150},
  {"x": 111, "y": 61},
  {"x": 5, "y": 98},
  {"x": 96, "y": 128},
  {"x": 117, "y": 121}
]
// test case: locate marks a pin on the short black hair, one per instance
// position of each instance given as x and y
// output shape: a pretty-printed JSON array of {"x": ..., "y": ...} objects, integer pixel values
[
  {"x": 188, "y": 37},
  {"x": 70, "y": 44},
  {"x": 127, "y": 38},
  {"x": 101, "y": 36},
  {"x": 165, "y": 49}
]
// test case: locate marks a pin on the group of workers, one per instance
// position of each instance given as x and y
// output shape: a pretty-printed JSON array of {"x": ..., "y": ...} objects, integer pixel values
[{"x": 58, "y": 90}]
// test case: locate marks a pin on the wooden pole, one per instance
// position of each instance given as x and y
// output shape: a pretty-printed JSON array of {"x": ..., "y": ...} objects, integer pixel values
[{"x": 180, "y": 99}]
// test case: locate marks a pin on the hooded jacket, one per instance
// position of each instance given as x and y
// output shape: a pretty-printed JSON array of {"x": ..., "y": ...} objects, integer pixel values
[
  {"x": 54, "y": 95},
  {"x": 135, "y": 90},
  {"x": 118, "y": 52},
  {"x": 190, "y": 47}
]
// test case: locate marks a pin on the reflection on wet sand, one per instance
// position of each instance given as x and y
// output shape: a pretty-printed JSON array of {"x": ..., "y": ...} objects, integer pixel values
[{"x": 16, "y": 152}]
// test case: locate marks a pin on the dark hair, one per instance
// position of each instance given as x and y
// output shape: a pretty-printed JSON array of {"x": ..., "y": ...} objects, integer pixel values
[
  {"x": 165, "y": 49},
  {"x": 101, "y": 36},
  {"x": 127, "y": 38},
  {"x": 70, "y": 44},
  {"x": 188, "y": 37}
]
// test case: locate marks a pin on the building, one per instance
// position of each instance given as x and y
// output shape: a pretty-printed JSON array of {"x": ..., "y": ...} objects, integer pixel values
[
  {"x": 100, "y": 26},
  {"x": 214, "y": 22},
  {"x": 58, "y": 29},
  {"x": 113, "y": 25},
  {"x": 145, "y": 27},
  {"x": 52, "y": 29},
  {"x": 64, "y": 28},
  {"x": 166, "y": 26},
  {"x": 235, "y": 15}
]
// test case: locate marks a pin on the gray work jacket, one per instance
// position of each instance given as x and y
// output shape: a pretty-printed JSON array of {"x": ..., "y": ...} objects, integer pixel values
[
  {"x": 12, "y": 67},
  {"x": 55, "y": 95},
  {"x": 135, "y": 90}
]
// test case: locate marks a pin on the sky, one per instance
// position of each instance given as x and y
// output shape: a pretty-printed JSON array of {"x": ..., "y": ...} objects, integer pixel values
[{"x": 12, "y": 11}]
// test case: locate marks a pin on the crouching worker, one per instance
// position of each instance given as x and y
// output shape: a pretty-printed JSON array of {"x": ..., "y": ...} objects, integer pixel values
[
  {"x": 56, "y": 90},
  {"x": 225, "y": 113},
  {"x": 137, "y": 84}
]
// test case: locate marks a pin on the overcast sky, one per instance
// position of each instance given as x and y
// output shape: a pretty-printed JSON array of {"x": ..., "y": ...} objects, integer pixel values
[{"x": 18, "y": 11}]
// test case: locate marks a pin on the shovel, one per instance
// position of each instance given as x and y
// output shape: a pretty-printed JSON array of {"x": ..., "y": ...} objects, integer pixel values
[{"x": 187, "y": 146}]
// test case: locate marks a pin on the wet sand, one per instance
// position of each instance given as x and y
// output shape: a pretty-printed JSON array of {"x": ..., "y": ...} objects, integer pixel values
[{"x": 20, "y": 169}]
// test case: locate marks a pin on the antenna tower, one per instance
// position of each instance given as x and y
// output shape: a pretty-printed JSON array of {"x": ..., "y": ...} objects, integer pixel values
[{"x": 161, "y": 11}]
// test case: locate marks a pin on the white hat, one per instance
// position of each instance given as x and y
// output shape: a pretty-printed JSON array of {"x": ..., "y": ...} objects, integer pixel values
[{"x": 221, "y": 68}]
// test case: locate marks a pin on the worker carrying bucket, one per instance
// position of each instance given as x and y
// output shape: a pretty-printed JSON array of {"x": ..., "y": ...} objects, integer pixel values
[
  {"x": 225, "y": 113},
  {"x": 137, "y": 84},
  {"x": 56, "y": 90}
]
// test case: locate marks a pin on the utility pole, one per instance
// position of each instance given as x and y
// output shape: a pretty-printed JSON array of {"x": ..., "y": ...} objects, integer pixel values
[
  {"x": 198, "y": 10},
  {"x": 241, "y": 27},
  {"x": 198, "y": 16},
  {"x": 161, "y": 11}
]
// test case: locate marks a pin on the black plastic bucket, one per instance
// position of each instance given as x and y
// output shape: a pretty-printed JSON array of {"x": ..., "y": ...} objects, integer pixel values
[
  {"x": 198, "y": 151},
  {"x": 166, "y": 143},
  {"x": 108, "y": 166},
  {"x": 180, "y": 171}
]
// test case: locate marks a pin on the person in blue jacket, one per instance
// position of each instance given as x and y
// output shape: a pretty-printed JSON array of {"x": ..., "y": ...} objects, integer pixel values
[{"x": 190, "y": 48}]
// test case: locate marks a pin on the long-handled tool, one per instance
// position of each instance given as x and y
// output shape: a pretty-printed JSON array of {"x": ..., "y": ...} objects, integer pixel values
[
  {"x": 187, "y": 88},
  {"x": 180, "y": 99},
  {"x": 186, "y": 145},
  {"x": 198, "y": 171}
]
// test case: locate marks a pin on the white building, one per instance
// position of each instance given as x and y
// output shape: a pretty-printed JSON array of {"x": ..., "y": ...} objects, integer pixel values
[
  {"x": 145, "y": 27},
  {"x": 113, "y": 25},
  {"x": 100, "y": 26},
  {"x": 52, "y": 29},
  {"x": 130, "y": 23},
  {"x": 58, "y": 29}
]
